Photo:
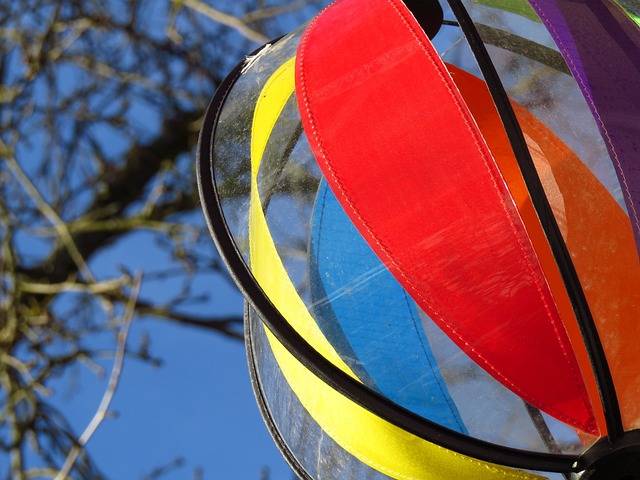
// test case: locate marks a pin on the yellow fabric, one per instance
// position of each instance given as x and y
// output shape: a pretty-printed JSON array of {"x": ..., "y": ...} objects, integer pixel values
[
  {"x": 376, "y": 442},
  {"x": 265, "y": 262}
]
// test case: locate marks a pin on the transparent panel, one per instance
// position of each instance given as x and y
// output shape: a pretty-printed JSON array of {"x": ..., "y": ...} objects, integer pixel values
[
  {"x": 232, "y": 144},
  {"x": 503, "y": 412},
  {"x": 535, "y": 76},
  {"x": 312, "y": 448}
]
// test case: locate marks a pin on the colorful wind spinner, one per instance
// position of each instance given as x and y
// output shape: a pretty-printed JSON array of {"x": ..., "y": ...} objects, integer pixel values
[{"x": 434, "y": 220}]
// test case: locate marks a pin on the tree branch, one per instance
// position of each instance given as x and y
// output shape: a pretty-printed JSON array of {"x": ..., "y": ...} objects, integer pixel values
[
  {"x": 123, "y": 186},
  {"x": 225, "y": 19},
  {"x": 71, "y": 248},
  {"x": 112, "y": 385}
]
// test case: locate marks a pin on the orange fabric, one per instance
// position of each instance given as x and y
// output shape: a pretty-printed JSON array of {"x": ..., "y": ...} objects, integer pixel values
[
  {"x": 600, "y": 239},
  {"x": 479, "y": 101},
  {"x": 598, "y": 235}
]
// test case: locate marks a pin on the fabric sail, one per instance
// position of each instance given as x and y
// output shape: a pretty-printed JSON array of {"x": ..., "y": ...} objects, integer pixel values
[{"x": 600, "y": 42}]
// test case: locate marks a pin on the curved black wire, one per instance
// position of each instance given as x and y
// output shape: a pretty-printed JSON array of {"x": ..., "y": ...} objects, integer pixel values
[
  {"x": 308, "y": 356},
  {"x": 261, "y": 399},
  {"x": 604, "y": 380}
]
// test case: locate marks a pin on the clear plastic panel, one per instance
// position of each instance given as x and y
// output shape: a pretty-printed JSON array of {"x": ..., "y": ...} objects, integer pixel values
[
  {"x": 535, "y": 76},
  {"x": 232, "y": 144},
  {"x": 502, "y": 412},
  {"x": 288, "y": 181}
]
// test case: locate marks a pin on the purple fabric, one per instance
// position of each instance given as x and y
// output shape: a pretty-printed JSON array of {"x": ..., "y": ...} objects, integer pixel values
[{"x": 601, "y": 46}]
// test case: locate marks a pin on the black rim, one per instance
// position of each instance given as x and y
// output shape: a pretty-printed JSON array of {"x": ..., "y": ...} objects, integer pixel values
[
  {"x": 308, "y": 356},
  {"x": 606, "y": 388},
  {"x": 261, "y": 399}
]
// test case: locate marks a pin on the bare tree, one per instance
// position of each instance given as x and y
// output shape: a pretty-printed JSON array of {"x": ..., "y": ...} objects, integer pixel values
[{"x": 100, "y": 106}]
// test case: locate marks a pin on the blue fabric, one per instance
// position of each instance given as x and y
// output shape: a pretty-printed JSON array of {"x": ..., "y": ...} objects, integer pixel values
[{"x": 370, "y": 319}]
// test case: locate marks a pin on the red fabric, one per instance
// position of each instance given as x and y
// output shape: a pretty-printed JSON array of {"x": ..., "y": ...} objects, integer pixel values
[{"x": 405, "y": 158}]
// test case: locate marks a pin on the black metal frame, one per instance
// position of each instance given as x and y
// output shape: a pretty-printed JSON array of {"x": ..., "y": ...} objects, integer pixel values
[
  {"x": 261, "y": 399},
  {"x": 602, "y": 459}
]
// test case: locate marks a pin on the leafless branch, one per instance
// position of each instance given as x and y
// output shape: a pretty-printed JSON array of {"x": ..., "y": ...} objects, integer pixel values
[
  {"x": 50, "y": 213},
  {"x": 112, "y": 385},
  {"x": 230, "y": 326},
  {"x": 225, "y": 19},
  {"x": 100, "y": 107}
]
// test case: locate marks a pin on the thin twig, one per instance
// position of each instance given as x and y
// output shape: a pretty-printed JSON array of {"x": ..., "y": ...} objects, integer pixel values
[
  {"x": 49, "y": 213},
  {"x": 226, "y": 19},
  {"x": 114, "y": 378},
  {"x": 223, "y": 325},
  {"x": 270, "y": 12},
  {"x": 106, "y": 286},
  {"x": 158, "y": 189}
]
